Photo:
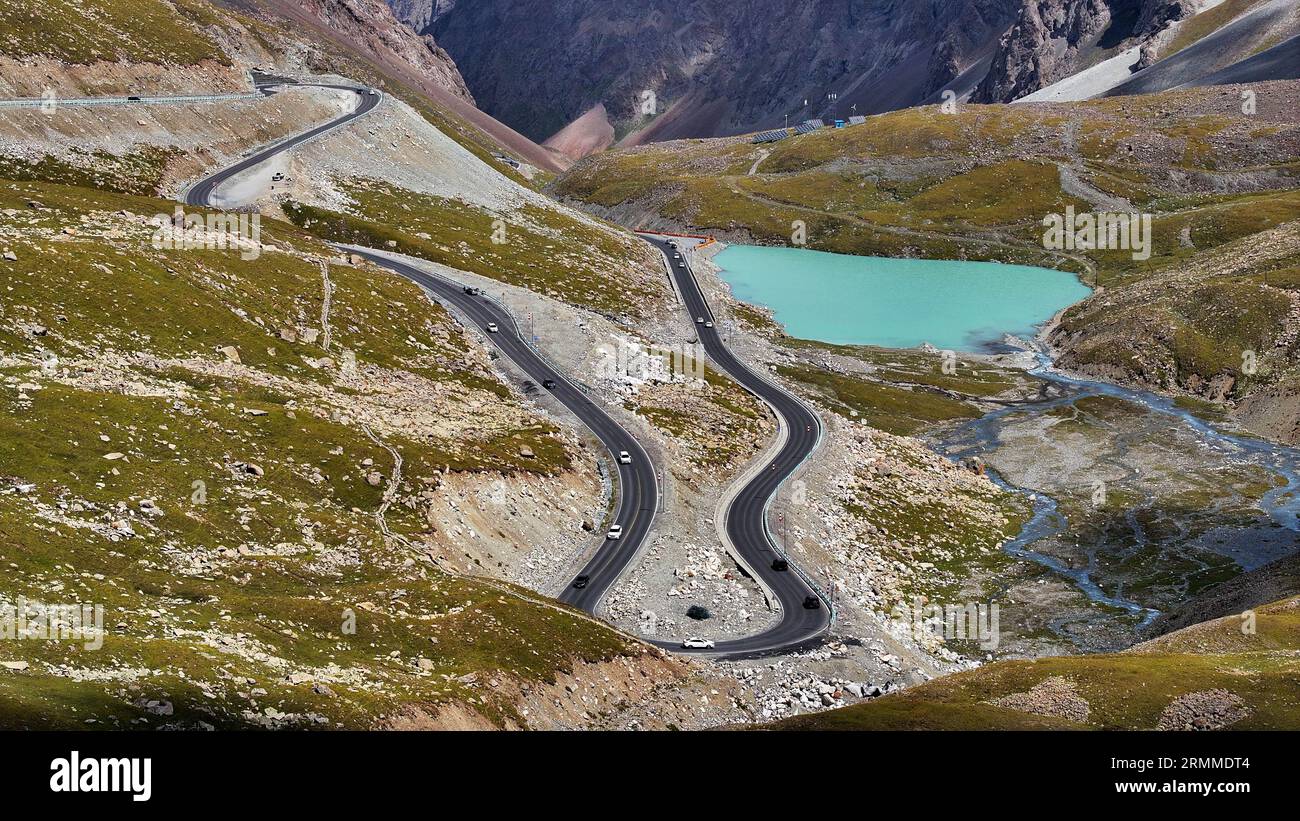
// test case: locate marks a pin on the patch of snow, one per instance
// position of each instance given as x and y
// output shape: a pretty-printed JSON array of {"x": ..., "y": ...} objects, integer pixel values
[{"x": 1090, "y": 82}]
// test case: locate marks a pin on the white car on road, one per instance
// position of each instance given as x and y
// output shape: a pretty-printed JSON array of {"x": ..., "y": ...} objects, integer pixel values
[
  {"x": 697, "y": 644},
  {"x": 624, "y": 457},
  {"x": 615, "y": 532},
  {"x": 492, "y": 328}
]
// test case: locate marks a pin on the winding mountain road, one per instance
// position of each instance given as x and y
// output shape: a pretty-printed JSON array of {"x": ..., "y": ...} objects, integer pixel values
[
  {"x": 637, "y": 486},
  {"x": 200, "y": 193},
  {"x": 637, "y": 489},
  {"x": 747, "y": 515}
]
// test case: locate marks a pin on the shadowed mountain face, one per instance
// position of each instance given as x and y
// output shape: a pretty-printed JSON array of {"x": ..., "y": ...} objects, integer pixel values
[
  {"x": 1052, "y": 39},
  {"x": 370, "y": 25},
  {"x": 370, "y": 32},
  {"x": 584, "y": 74},
  {"x": 714, "y": 68}
]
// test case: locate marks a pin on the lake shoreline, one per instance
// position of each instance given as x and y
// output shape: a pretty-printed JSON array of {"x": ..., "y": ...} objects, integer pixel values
[
  {"x": 1034, "y": 355},
  {"x": 965, "y": 306},
  {"x": 1019, "y": 356}
]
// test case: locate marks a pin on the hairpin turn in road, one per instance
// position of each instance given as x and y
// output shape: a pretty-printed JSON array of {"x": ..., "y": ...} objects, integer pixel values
[{"x": 805, "y": 611}]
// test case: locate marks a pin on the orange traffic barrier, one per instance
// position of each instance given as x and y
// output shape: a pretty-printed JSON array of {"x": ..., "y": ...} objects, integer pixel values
[{"x": 708, "y": 237}]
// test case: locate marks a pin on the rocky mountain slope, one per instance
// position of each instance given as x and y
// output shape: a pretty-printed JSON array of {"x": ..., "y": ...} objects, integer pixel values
[
  {"x": 222, "y": 477},
  {"x": 1076, "y": 49},
  {"x": 307, "y": 497},
  {"x": 293, "y": 484},
  {"x": 76, "y": 49},
  {"x": 586, "y": 74},
  {"x": 1219, "y": 183},
  {"x": 1051, "y": 40},
  {"x": 361, "y": 40},
  {"x": 370, "y": 26},
  {"x": 713, "y": 68},
  {"x": 484, "y": 484},
  {"x": 1231, "y": 42}
]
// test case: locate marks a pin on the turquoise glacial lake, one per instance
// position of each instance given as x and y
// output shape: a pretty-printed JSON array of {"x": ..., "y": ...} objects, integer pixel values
[{"x": 897, "y": 303}]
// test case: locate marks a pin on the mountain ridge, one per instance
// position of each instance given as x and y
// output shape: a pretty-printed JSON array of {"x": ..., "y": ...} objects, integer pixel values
[{"x": 587, "y": 74}]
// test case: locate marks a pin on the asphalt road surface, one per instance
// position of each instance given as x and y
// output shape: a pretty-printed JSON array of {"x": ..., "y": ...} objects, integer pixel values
[
  {"x": 637, "y": 488},
  {"x": 746, "y": 518},
  {"x": 201, "y": 192}
]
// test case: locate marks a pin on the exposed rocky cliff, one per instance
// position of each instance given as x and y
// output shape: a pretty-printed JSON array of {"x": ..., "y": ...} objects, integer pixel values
[
  {"x": 712, "y": 68},
  {"x": 371, "y": 26},
  {"x": 1052, "y": 39},
  {"x": 362, "y": 39},
  {"x": 584, "y": 74}
]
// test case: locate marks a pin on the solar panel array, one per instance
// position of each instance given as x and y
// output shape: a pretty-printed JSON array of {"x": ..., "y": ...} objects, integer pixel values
[{"x": 806, "y": 127}]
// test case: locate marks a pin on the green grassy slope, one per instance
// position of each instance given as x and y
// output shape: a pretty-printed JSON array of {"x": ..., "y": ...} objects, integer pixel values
[
  {"x": 542, "y": 249},
  {"x": 89, "y": 31},
  {"x": 896, "y": 186},
  {"x": 1255, "y": 674},
  {"x": 1222, "y": 188},
  {"x": 126, "y": 446}
]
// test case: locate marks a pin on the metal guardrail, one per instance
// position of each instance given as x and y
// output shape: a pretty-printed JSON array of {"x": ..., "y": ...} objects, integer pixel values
[
  {"x": 821, "y": 432},
  {"x": 582, "y": 387},
  {"x": 325, "y": 130},
  {"x": 577, "y": 383},
  {"x": 58, "y": 102},
  {"x": 672, "y": 280},
  {"x": 519, "y": 334},
  {"x": 767, "y": 507}
]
